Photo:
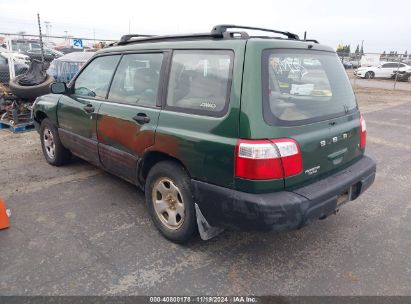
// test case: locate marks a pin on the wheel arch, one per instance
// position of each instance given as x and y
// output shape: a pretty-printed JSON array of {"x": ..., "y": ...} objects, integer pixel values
[
  {"x": 46, "y": 107},
  {"x": 151, "y": 158},
  {"x": 39, "y": 116}
]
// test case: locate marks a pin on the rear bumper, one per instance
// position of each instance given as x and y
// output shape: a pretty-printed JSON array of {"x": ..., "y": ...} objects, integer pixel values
[{"x": 284, "y": 210}]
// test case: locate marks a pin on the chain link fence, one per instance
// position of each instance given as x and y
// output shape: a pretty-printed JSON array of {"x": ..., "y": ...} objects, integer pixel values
[
  {"x": 390, "y": 69},
  {"x": 356, "y": 60},
  {"x": 18, "y": 50}
]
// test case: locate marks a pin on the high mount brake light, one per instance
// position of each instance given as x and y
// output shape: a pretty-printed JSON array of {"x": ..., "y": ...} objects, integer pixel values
[
  {"x": 363, "y": 132},
  {"x": 267, "y": 159}
]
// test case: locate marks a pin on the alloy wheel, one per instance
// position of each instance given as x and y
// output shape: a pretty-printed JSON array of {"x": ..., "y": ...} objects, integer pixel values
[
  {"x": 49, "y": 145},
  {"x": 168, "y": 203}
]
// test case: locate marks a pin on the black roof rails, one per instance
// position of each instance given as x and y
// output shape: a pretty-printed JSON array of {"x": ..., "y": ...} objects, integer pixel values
[
  {"x": 311, "y": 40},
  {"x": 222, "y": 28},
  {"x": 217, "y": 32},
  {"x": 168, "y": 37},
  {"x": 126, "y": 38}
]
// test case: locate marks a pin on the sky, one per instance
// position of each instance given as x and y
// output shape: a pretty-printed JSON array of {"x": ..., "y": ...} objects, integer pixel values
[{"x": 383, "y": 25}]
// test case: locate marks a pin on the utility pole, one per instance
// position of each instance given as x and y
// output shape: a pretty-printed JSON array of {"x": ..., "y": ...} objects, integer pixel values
[
  {"x": 41, "y": 38},
  {"x": 47, "y": 24},
  {"x": 396, "y": 73}
]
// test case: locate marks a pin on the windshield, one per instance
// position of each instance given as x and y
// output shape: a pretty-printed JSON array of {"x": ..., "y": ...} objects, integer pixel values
[{"x": 303, "y": 86}]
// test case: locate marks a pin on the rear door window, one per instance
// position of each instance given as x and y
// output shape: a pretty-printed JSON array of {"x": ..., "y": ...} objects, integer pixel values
[
  {"x": 303, "y": 86},
  {"x": 137, "y": 79},
  {"x": 200, "y": 81}
]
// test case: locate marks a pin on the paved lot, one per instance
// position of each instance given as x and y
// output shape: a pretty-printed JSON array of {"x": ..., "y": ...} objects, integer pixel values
[{"x": 77, "y": 230}]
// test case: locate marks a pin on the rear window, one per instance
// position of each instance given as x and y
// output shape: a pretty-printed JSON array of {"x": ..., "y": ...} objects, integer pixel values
[{"x": 303, "y": 86}]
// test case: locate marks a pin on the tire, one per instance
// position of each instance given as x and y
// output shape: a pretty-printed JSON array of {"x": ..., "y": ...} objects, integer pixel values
[
  {"x": 372, "y": 75},
  {"x": 165, "y": 206},
  {"x": 50, "y": 141},
  {"x": 367, "y": 75},
  {"x": 30, "y": 92}
]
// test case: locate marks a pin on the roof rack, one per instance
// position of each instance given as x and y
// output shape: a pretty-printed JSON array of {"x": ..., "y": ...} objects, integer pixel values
[
  {"x": 126, "y": 38},
  {"x": 311, "y": 40},
  {"x": 217, "y": 32},
  {"x": 222, "y": 28},
  {"x": 165, "y": 37}
]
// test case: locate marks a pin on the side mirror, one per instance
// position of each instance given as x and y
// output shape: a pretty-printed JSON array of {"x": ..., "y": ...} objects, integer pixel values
[{"x": 58, "y": 88}]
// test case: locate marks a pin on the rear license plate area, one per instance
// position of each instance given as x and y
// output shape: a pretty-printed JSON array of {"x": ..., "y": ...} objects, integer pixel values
[{"x": 343, "y": 197}]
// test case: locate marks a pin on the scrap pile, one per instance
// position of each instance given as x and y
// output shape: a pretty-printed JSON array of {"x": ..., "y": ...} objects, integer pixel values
[
  {"x": 17, "y": 99},
  {"x": 14, "y": 111}
]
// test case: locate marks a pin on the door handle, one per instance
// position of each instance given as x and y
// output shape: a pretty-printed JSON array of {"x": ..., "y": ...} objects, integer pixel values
[
  {"x": 89, "y": 108},
  {"x": 141, "y": 118}
]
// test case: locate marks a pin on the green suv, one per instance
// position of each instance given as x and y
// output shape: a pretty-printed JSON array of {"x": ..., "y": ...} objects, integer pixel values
[{"x": 220, "y": 129}]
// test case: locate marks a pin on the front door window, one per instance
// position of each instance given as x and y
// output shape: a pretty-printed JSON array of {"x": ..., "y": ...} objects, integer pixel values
[{"x": 95, "y": 79}]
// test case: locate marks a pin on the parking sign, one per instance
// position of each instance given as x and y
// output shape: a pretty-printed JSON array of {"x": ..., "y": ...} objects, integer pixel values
[{"x": 77, "y": 43}]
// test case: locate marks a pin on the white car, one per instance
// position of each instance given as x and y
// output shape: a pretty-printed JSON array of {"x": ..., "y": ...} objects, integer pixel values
[
  {"x": 384, "y": 70},
  {"x": 19, "y": 58}
]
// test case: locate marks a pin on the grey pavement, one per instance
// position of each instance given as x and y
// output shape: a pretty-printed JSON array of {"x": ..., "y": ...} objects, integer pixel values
[{"x": 77, "y": 230}]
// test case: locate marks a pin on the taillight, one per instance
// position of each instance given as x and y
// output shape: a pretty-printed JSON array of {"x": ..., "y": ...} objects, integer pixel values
[
  {"x": 267, "y": 159},
  {"x": 363, "y": 132}
]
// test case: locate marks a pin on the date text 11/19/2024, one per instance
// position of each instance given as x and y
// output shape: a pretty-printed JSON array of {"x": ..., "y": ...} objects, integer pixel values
[{"x": 203, "y": 299}]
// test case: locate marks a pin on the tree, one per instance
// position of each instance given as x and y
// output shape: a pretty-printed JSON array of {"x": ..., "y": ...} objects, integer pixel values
[
  {"x": 343, "y": 50},
  {"x": 340, "y": 48},
  {"x": 362, "y": 50},
  {"x": 357, "y": 50}
]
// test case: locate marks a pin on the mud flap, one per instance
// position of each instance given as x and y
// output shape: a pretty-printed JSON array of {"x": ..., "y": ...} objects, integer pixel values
[{"x": 206, "y": 231}]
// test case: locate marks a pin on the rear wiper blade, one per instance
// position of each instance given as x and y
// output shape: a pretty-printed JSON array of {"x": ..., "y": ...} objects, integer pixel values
[{"x": 346, "y": 108}]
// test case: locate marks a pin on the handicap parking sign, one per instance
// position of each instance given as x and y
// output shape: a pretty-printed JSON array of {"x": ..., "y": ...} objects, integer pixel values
[{"x": 77, "y": 43}]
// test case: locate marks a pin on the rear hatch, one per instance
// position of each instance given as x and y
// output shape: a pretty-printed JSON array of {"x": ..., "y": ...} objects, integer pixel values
[{"x": 307, "y": 97}]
